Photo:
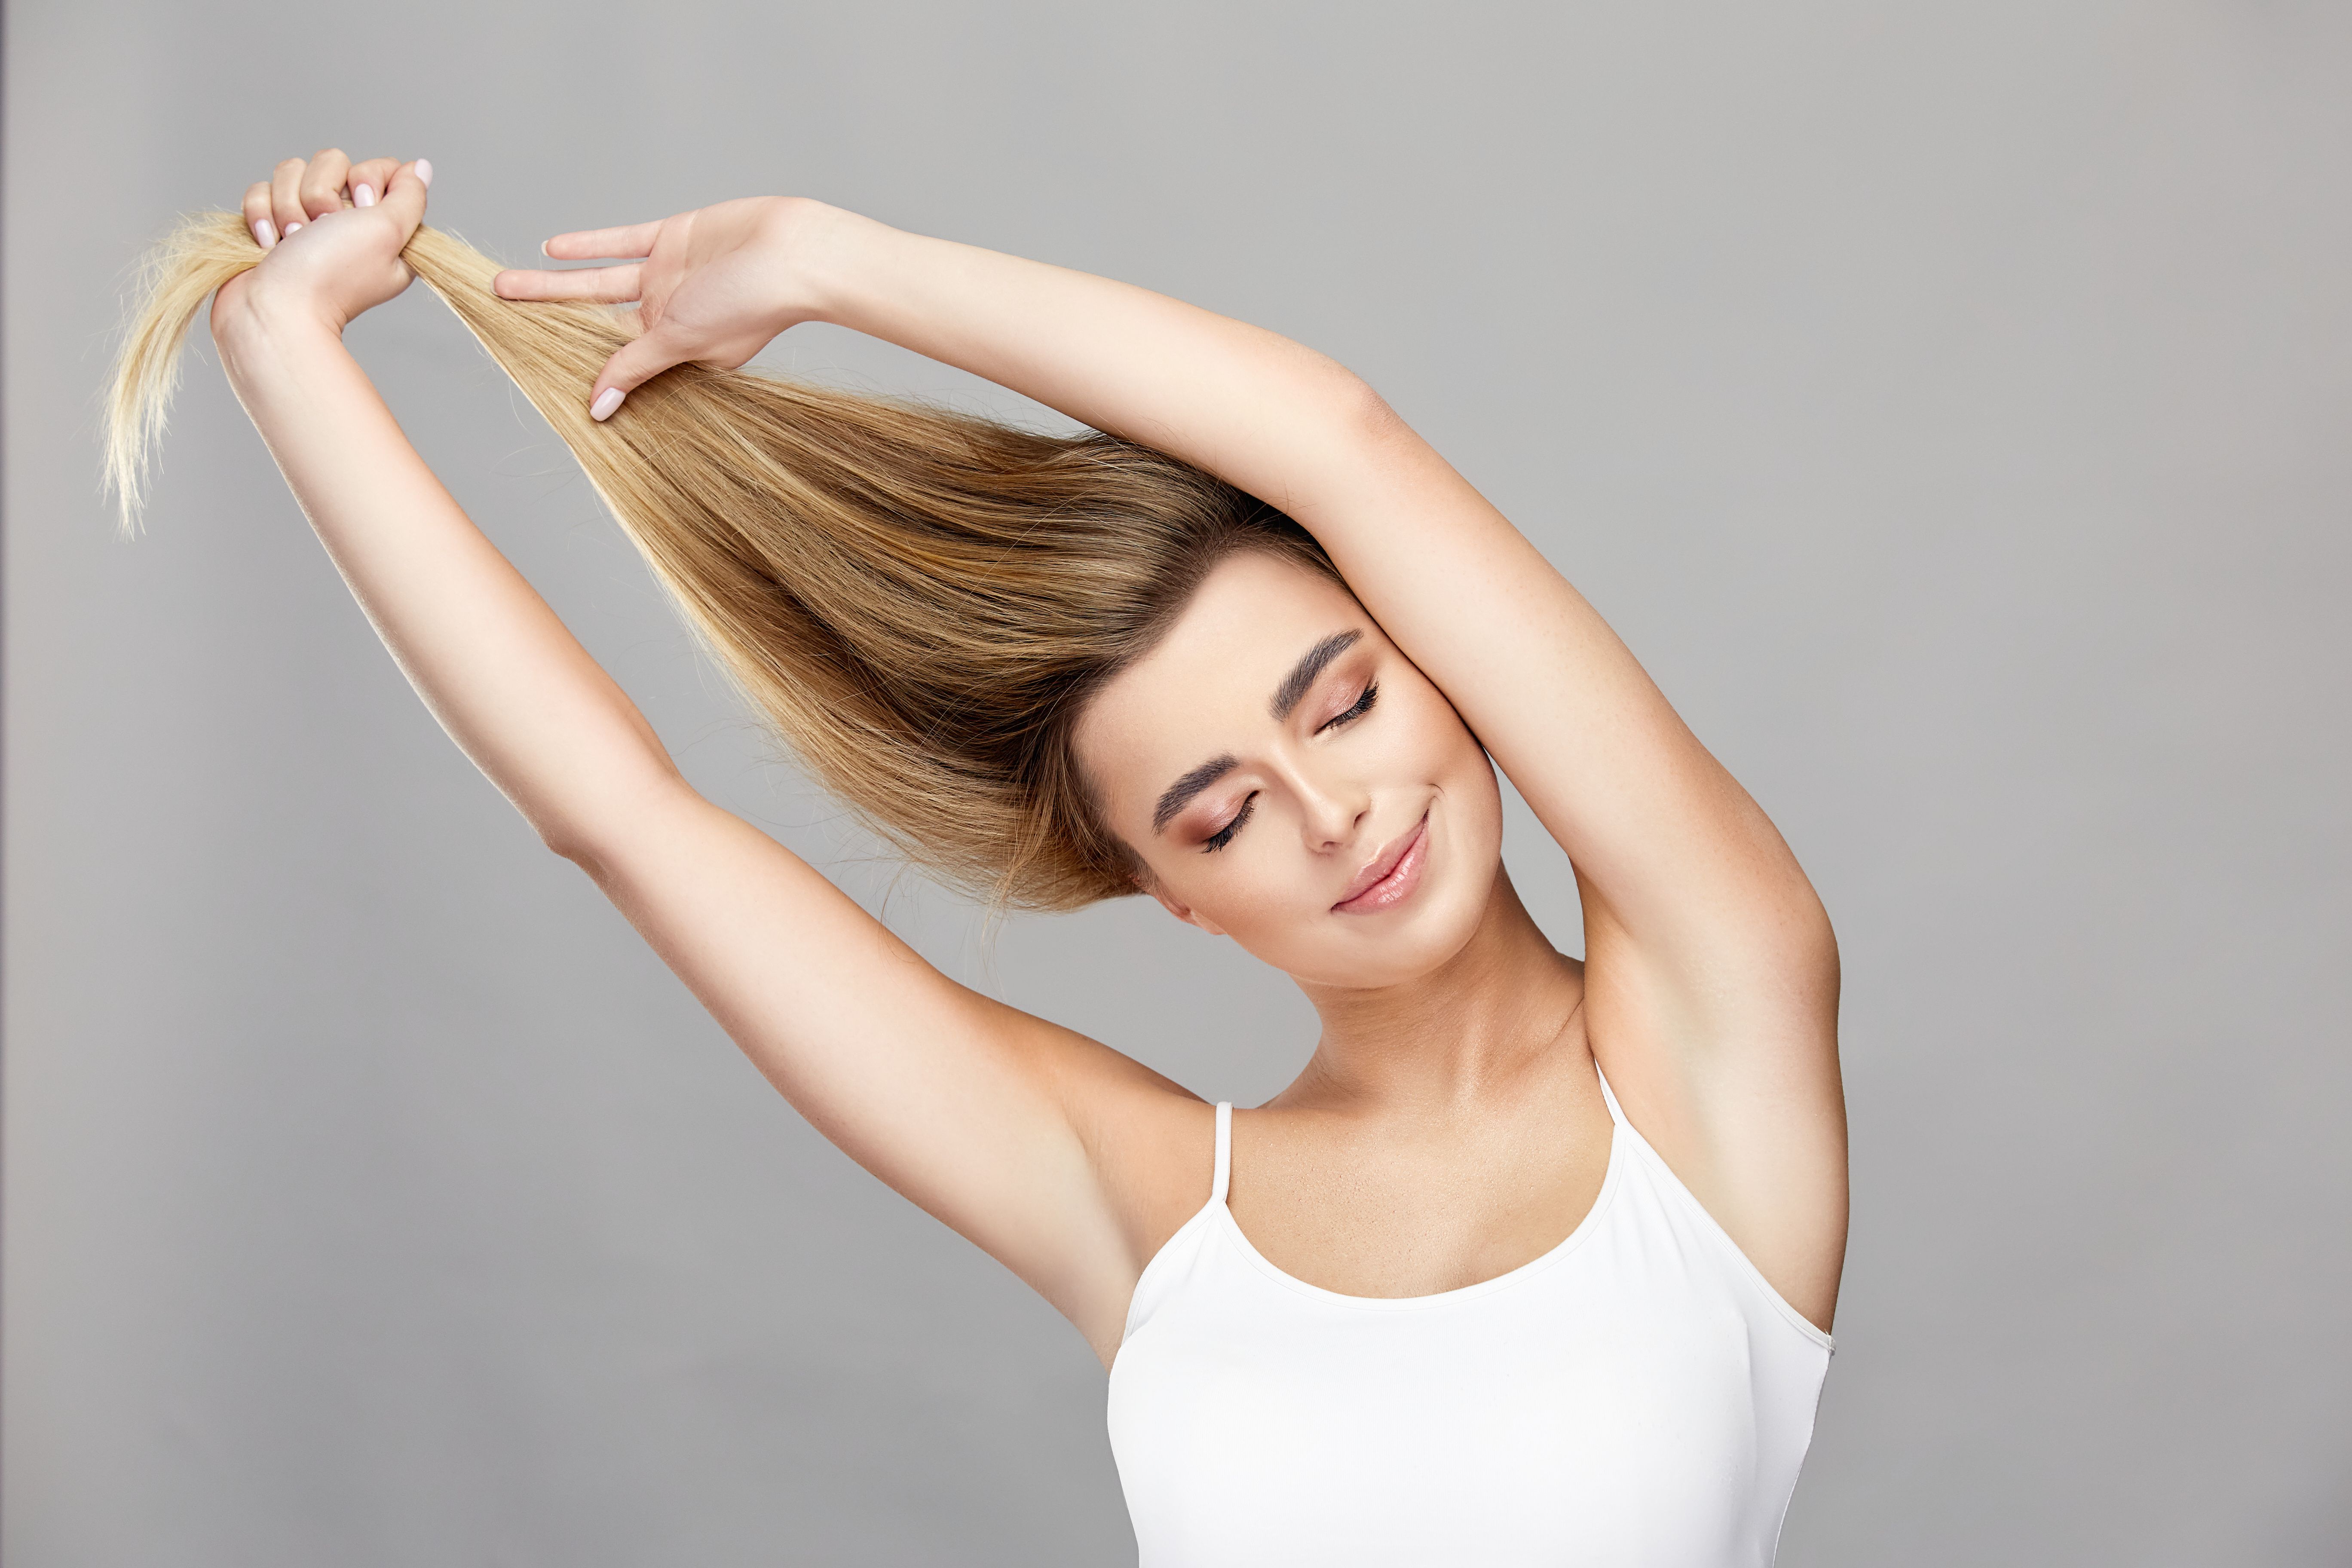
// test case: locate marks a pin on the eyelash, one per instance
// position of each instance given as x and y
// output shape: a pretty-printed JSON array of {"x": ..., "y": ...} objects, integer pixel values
[
  {"x": 1225, "y": 836},
  {"x": 1363, "y": 706}
]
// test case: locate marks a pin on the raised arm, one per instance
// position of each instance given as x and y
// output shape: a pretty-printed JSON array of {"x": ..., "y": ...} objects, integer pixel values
[
  {"x": 1711, "y": 968},
  {"x": 960, "y": 1103},
  {"x": 490, "y": 659}
]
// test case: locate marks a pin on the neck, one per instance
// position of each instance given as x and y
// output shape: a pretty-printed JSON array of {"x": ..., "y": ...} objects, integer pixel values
[{"x": 1446, "y": 1039}]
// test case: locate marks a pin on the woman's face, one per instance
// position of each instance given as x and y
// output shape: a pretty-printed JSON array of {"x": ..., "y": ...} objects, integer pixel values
[{"x": 1294, "y": 782}]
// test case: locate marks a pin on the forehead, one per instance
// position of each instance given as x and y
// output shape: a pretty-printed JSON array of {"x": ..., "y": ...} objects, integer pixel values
[{"x": 1204, "y": 686}]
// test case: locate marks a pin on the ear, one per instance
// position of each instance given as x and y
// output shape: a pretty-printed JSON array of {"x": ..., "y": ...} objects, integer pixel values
[{"x": 1182, "y": 912}]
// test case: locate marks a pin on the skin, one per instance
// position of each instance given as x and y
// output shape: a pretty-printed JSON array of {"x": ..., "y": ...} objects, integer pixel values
[{"x": 1449, "y": 1125}]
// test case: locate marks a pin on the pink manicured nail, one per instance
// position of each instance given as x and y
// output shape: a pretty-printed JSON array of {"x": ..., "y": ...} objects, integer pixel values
[
  {"x": 362, "y": 196},
  {"x": 424, "y": 171},
  {"x": 289, "y": 232},
  {"x": 265, "y": 234},
  {"x": 606, "y": 401}
]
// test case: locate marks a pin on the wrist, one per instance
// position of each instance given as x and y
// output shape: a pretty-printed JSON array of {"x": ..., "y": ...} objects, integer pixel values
[
  {"x": 272, "y": 349},
  {"x": 255, "y": 326},
  {"x": 836, "y": 251}
]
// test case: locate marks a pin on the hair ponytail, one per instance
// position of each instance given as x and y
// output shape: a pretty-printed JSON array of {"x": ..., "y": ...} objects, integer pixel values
[{"x": 917, "y": 601}]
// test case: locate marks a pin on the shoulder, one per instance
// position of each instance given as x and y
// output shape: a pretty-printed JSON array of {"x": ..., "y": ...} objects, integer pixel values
[
  {"x": 1151, "y": 1145},
  {"x": 1745, "y": 1103}
]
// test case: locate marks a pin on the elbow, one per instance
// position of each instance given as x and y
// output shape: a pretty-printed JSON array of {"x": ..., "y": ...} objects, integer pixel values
[
  {"x": 599, "y": 834},
  {"x": 1367, "y": 413},
  {"x": 567, "y": 841},
  {"x": 566, "y": 845}
]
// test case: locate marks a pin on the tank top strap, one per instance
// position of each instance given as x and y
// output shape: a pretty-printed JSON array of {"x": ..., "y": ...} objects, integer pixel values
[
  {"x": 1224, "y": 1170},
  {"x": 1608, "y": 1094}
]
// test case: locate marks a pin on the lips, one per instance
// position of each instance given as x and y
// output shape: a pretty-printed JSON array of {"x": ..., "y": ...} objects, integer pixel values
[{"x": 1392, "y": 874}]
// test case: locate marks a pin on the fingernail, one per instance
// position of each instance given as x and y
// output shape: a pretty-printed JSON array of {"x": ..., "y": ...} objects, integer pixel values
[
  {"x": 362, "y": 196},
  {"x": 606, "y": 401},
  {"x": 265, "y": 234},
  {"x": 424, "y": 171},
  {"x": 542, "y": 250},
  {"x": 289, "y": 232}
]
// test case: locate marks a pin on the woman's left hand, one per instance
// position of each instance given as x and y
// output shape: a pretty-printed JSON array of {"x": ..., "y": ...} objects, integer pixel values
[{"x": 714, "y": 285}]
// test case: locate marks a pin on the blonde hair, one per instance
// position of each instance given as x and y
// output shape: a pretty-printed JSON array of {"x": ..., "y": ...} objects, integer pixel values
[{"x": 918, "y": 602}]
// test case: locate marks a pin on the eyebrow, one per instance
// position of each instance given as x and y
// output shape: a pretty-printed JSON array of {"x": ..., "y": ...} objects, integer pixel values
[
  {"x": 1302, "y": 674},
  {"x": 1287, "y": 697},
  {"x": 1179, "y": 793}
]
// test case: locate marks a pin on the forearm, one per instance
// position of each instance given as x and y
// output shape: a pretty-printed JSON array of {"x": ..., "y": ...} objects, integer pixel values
[
  {"x": 492, "y": 662},
  {"x": 1255, "y": 408}
]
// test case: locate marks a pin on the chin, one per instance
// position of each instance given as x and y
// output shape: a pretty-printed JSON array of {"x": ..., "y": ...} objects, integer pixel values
[
  {"x": 1432, "y": 936},
  {"x": 1420, "y": 936}
]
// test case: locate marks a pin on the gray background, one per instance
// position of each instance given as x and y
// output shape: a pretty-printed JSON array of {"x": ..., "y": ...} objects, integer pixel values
[{"x": 1948, "y": 404}]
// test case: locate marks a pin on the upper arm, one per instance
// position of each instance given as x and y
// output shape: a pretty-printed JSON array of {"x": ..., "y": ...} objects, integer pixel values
[
  {"x": 979, "y": 1112},
  {"x": 1711, "y": 971},
  {"x": 1711, "y": 968}
]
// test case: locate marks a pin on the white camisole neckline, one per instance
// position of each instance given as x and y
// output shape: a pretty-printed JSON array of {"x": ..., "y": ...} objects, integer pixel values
[{"x": 1638, "y": 1395}]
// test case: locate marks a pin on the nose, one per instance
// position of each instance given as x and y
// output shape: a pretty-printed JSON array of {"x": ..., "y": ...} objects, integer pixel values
[{"x": 1332, "y": 810}]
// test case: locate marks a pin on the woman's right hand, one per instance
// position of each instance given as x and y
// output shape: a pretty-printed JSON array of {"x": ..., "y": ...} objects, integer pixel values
[
  {"x": 714, "y": 285},
  {"x": 331, "y": 232}
]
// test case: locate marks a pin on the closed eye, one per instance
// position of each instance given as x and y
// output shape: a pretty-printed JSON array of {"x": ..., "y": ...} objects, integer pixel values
[
  {"x": 1225, "y": 836},
  {"x": 1363, "y": 706}
]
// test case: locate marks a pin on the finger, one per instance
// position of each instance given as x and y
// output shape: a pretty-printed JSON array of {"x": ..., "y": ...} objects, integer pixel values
[
  {"x": 605, "y": 285},
  {"x": 321, "y": 187},
  {"x": 638, "y": 361},
  {"x": 285, "y": 197},
  {"x": 403, "y": 195},
  {"x": 632, "y": 240},
  {"x": 368, "y": 180},
  {"x": 257, "y": 215}
]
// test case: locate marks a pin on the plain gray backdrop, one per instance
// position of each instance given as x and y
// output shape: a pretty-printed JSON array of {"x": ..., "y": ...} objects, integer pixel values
[{"x": 1951, "y": 406}]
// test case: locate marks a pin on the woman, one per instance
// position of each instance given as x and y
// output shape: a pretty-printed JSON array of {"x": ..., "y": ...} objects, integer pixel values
[{"x": 1536, "y": 1260}]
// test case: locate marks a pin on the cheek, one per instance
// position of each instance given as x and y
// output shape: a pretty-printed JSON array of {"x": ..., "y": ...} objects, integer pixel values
[
  {"x": 1452, "y": 760},
  {"x": 1250, "y": 886},
  {"x": 1430, "y": 737}
]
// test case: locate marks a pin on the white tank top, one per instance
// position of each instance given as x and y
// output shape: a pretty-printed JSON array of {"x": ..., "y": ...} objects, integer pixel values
[{"x": 1638, "y": 1398}]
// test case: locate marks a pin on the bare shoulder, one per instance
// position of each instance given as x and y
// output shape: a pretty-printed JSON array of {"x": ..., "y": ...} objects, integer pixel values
[
  {"x": 1151, "y": 1145},
  {"x": 1743, "y": 1099}
]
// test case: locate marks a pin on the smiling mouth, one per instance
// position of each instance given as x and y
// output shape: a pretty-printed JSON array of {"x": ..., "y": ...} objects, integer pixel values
[{"x": 1390, "y": 880}]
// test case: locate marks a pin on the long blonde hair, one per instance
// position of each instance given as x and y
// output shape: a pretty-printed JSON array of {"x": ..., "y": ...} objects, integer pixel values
[{"x": 919, "y": 602}]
